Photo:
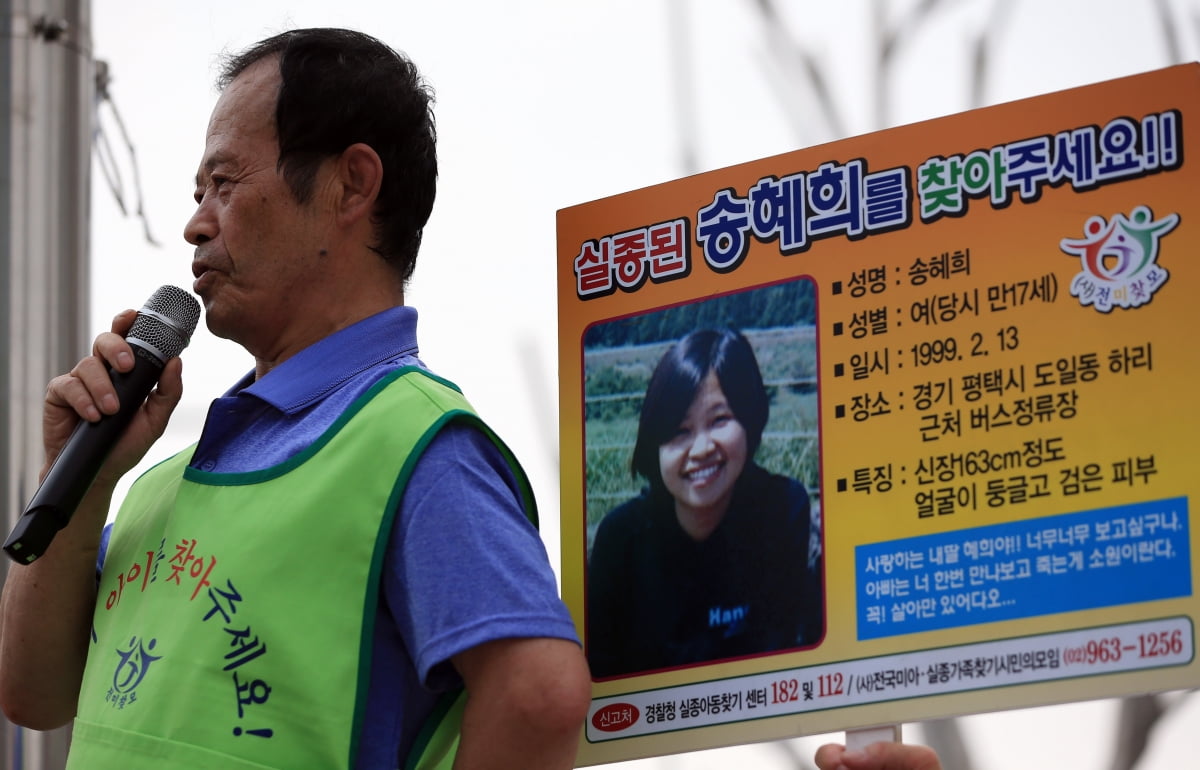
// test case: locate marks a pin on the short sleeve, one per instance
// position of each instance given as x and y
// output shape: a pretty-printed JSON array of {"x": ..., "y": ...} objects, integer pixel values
[{"x": 465, "y": 566}]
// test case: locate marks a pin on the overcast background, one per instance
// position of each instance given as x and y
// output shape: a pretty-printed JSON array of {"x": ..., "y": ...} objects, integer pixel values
[{"x": 544, "y": 104}]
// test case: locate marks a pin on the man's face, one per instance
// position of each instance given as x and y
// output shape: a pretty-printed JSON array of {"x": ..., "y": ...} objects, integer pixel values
[{"x": 259, "y": 254}]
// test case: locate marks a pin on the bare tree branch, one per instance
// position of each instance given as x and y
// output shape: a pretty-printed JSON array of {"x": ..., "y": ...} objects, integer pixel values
[
  {"x": 1136, "y": 719},
  {"x": 1170, "y": 32},
  {"x": 981, "y": 58},
  {"x": 906, "y": 26},
  {"x": 889, "y": 43},
  {"x": 686, "y": 117},
  {"x": 792, "y": 54}
]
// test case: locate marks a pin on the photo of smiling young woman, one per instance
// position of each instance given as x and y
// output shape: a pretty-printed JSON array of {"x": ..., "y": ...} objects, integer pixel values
[{"x": 712, "y": 560}]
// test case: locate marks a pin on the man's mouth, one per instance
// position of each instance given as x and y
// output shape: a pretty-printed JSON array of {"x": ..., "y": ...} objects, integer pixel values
[{"x": 204, "y": 279}]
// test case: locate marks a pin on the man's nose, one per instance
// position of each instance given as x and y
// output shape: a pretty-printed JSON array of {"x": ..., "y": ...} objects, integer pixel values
[{"x": 202, "y": 226}]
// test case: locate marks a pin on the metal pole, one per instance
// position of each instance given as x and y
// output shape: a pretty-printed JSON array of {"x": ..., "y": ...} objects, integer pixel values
[{"x": 46, "y": 90}]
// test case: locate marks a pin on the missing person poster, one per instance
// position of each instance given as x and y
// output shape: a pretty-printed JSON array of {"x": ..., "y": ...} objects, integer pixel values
[{"x": 890, "y": 429}]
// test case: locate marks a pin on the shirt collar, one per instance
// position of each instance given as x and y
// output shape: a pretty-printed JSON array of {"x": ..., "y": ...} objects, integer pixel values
[{"x": 322, "y": 367}]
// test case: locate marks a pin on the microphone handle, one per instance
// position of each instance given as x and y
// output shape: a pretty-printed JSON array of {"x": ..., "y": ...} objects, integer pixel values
[{"x": 76, "y": 467}]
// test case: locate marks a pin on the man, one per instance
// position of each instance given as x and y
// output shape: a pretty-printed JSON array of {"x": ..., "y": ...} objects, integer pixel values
[{"x": 347, "y": 541}]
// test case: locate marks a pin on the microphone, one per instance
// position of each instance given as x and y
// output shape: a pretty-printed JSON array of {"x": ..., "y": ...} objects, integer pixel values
[{"x": 160, "y": 332}]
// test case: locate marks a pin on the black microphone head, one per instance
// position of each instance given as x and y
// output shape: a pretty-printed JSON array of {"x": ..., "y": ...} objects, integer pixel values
[{"x": 166, "y": 322}]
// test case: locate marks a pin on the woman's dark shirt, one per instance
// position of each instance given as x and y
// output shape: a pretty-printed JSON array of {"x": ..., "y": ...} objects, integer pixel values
[{"x": 658, "y": 599}]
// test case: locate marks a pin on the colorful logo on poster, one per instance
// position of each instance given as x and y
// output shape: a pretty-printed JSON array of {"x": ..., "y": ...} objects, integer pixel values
[{"x": 1119, "y": 259}]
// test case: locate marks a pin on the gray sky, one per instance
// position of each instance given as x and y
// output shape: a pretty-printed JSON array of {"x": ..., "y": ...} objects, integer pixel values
[{"x": 544, "y": 104}]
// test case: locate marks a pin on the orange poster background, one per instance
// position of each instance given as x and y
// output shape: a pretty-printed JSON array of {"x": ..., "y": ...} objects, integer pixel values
[{"x": 1138, "y": 415}]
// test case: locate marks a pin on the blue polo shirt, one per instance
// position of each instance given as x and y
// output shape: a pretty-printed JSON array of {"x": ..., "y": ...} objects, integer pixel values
[{"x": 464, "y": 565}]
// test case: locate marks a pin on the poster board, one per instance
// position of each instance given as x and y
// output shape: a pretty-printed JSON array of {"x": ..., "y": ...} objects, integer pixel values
[{"x": 976, "y": 337}]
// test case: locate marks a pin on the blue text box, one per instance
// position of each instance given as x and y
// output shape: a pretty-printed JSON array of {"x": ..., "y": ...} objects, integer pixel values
[{"x": 1076, "y": 561}]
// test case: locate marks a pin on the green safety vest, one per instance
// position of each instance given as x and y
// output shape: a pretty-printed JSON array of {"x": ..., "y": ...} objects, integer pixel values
[{"x": 218, "y": 644}]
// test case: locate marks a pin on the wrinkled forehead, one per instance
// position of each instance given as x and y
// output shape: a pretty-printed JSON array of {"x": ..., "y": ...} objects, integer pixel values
[
  {"x": 243, "y": 119},
  {"x": 249, "y": 100}
]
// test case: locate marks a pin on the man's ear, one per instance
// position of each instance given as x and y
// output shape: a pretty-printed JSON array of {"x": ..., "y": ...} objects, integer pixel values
[{"x": 360, "y": 172}]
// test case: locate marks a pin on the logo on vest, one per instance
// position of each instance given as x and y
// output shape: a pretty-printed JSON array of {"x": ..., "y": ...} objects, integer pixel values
[{"x": 131, "y": 669}]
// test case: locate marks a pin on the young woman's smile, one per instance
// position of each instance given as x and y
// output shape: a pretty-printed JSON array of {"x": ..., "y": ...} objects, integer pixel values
[{"x": 701, "y": 463}]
